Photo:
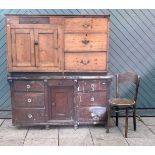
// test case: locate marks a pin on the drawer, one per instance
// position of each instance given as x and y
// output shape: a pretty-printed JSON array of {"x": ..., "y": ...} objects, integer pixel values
[
  {"x": 91, "y": 85},
  {"x": 86, "y": 42},
  {"x": 21, "y": 99},
  {"x": 33, "y": 20},
  {"x": 86, "y": 61},
  {"x": 86, "y": 116},
  {"x": 92, "y": 98},
  {"x": 28, "y": 115},
  {"x": 86, "y": 24},
  {"x": 60, "y": 82},
  {"x": 29, "y": 86}
]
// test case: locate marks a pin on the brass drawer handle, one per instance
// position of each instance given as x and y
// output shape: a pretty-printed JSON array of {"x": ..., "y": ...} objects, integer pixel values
[
  {"x": 84, "y": 62},
  {"x": 29, "y": 116},
  {"x": 85, "y": 41},
  {"x": 28, "y": 86},
  {"x": 85, "y": 25},
  {"x": 29, "y": 100}
]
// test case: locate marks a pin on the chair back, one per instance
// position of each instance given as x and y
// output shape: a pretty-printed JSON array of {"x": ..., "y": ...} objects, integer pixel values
[{"x": 128, "y": 77}]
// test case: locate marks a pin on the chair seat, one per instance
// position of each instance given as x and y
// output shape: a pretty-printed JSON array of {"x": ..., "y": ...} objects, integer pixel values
[{"x": 121, "y": 102}]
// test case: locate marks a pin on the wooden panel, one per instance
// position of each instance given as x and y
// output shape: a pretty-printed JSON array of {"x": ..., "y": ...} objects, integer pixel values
[
  {"x": 96, "y": 61},
  {"x": 21, "y": 99},
  {"x": 91, "y": 85},
  {"x": 85, "y": 116},
  {"x": 86, "y": 42},
  {"x": 46, "y": 45},
  {"x": 33, "y": 20},
  {"x": 86, "y": 24},
  {"x": 92, "y": 98},
  {"x": 22, "y": 47},
  {"x": 62, "y": 103},
  {"x": 60, "y": 82},
  {"x": 29, "y": 86},
  {"x": 22, "y": 115}
]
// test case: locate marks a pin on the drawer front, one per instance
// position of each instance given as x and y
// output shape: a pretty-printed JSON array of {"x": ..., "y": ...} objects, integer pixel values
[
  {"x": 86, "y": 61},
  {"x": 92, "y": 98},
  {"x": 86, "y": 42},
  {"x": 86, "y": 116},
  {"x": 28, "y": 115},
  {"x": 60, "y": 82},
  {"x": 34, "y": 20},
  {"x": 86, "y": 24},
  {"x": 29, "y": 86},
  {"x": 92, "y": 85},
  {"x": 28, "y": 99}
]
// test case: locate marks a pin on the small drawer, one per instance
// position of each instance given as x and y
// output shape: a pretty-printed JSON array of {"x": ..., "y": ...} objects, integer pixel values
[
  {"x": 60, "y": 82},
  {"x": 37, "y": 86},
  {"x": 92, "y": 98},
  {"x": 86, "y": 24},
  {"x": 86, "y": 42},
  {"x": 21, "y": 99},
  {"x": 34, "y": 20},
  {"x": 92, "y": 85},
  {"x": 22, "y": 115},
  {"x": 81, "y": 62}
]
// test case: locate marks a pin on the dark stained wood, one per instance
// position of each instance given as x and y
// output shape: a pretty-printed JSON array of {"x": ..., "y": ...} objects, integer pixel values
[
  {"x": 92, "y": 85},
  {"x": 60, "y": 83},
  {"x": 61, "y": 102},
  {"x": 29, "y": 86},
  {"x": 92, "y": 98},
  {"x": 67, "y": 101},
  {"x": 28, "y": 115},
  {"x": 28, "y": 99},
  {"x": 33, "y": 20}
]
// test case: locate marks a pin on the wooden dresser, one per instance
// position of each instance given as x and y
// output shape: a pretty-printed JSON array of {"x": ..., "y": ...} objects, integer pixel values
[{"x": 58, "y": 68}]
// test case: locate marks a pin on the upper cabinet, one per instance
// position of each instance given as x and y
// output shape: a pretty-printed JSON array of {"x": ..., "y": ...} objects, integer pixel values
[{"x": 57, "y": 43}]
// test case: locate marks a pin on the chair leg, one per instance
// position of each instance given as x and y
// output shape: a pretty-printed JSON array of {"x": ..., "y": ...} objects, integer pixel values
[
  {"x": 126, "y": 123},
  {"x": 108, "y": 118},
  {"x": 134, "y": 118},
  {"x": 117, "y": 115}
]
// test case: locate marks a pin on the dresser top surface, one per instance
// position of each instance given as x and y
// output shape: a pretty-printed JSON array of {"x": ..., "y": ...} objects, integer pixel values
[
  {"x": 42, "y": 15},
  {"x": 44, "y": 77}
]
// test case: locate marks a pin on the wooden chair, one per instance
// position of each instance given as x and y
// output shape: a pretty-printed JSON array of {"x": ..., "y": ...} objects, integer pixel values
[{"x": 124, "y": 103}]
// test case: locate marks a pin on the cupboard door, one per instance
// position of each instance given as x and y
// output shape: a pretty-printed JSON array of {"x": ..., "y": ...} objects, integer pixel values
[
  {"x": 22, "y": 47},
  {"x": 61, "y": 101},
  {"x": 46, "y": 45}
]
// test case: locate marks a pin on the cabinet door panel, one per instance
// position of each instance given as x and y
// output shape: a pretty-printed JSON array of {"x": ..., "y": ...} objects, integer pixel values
[
  {"x": 46, "y": 43},
  {"x": 22, "y": 47},
  {"x": 61, "y": 99}
]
